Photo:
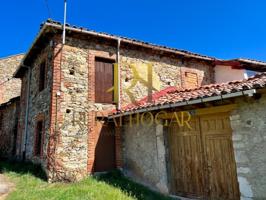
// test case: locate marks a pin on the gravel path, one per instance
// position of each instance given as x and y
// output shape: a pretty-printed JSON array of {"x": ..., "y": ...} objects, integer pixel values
[{"x": 5, "y": 187}]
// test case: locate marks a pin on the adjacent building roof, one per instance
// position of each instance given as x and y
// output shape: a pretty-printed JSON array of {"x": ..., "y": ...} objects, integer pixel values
[
  {"x": 244, "y": 63},
  {"x": 4, "y": 105},
  {"x": 173, "y": 96},
  {"x": 9, "y": 86}
]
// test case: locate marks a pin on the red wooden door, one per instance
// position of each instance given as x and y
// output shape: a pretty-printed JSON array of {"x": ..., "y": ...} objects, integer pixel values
[{"x": 105, "y": 148}]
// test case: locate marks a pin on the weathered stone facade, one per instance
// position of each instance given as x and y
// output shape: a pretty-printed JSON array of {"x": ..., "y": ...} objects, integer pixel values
[
  {"x": 9, "y": 86},
  {"x": 35, "y": 106},
  {"x": 248, "y": 122},
  {"x": 9, "y": 104},
  {"x": 144, "y": 154},
  {"x": 8, "y": 128},
  {"x": 164, "y": 72},
  {"x": 67, "y": 105},
  {"x": 145, "y": 149},
  {"x": 76, "y": 106}
]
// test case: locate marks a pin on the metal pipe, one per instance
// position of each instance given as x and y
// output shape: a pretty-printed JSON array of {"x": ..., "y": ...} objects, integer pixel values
[
  {"x": 118, "y": 74},
  {"x": 27, "y": 113},
  {"x": 64, "y": 26}
]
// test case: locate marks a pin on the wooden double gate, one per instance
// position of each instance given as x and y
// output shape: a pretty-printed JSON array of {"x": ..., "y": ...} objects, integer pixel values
[{"x": 202, "y": 162}]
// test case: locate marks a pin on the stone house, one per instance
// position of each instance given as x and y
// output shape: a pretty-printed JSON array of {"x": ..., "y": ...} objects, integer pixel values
[
  {"x": 9, "y": 105},
  {"x": 64, "y": 89},
  {"x": 86, "y": 106}
]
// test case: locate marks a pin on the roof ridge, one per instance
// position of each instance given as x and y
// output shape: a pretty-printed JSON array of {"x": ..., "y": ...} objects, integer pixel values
[{"x": 51, "y": 21}]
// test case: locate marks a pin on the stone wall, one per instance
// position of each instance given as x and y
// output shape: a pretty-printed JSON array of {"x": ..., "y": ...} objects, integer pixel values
[
  {"x": 8, "y": 128},
  {"x": 77, "y": 106},
  {"x": 38, "y": 109},
  {"x": 144, "y": 155},
  {"x": 248, "y": 122},
  {"x": 164, "y": 72},
  {"x": 68, "y": 106},
  {"x": 9, "y": 87},
  {"x": 22, "y": 116},
  {"x": 71, "y": 154}
]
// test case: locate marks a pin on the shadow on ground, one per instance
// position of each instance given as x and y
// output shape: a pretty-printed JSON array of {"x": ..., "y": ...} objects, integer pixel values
[
  {"x": 22, "y": 168},
  {"x": 140, "y": 192},
  {"x": 115, "y": 179}
]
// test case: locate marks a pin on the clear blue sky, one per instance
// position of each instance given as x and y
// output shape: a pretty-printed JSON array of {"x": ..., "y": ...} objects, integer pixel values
[{"x": 221, "y": 28}]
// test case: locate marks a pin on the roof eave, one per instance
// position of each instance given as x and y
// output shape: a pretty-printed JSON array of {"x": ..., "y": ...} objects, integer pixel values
[
  {"x": 250, "y": 92},
  {"x": 21, "y": 69},
  {"x": 243, "y": 64},
  {"x": 128, "y": 41}
]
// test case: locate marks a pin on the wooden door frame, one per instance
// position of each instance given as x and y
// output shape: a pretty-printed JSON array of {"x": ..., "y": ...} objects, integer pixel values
[
  {"x": 198, "y": 113},
  {"x": 203, "y": 111}
]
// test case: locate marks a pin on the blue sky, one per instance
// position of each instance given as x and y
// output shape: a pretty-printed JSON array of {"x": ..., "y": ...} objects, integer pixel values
[{"x": 220, "y": 28}]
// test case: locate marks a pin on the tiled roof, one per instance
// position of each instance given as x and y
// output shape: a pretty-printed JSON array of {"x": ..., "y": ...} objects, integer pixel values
[
  {"x": 250, "y": 61},
  {"x": 45, "y": 29},
  {"x": 172, "y": 95},
  {"x": 84, "y": 30},
  {"x": 139, "y": 42}
]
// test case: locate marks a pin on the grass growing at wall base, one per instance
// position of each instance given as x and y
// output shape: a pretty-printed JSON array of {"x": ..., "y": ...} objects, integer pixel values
[{"x": 31, "y": 185}]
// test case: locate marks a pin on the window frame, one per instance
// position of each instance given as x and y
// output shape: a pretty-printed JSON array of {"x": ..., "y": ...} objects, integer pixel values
[
  {"x": 187, "y": 83},
  {"x": 42, "y": 76},
  {"x": 39, "y": 138},
  {"x": 110, "y": 61}
]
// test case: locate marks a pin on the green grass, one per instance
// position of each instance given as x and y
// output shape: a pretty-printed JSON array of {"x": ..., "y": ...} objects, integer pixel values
[{"x": 31, "y": 184}]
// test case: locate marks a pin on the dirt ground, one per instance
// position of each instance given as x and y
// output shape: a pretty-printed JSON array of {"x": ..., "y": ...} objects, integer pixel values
[{"x": 5, "y": 187}]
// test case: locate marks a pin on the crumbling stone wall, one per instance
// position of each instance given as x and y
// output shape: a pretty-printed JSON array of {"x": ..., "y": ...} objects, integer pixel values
[
  {"x": 9, "y": 87},
  {"x": 144, "y": 154},
  {"x": 248, "y": 122},
  {"x": 8, "y": 128}
]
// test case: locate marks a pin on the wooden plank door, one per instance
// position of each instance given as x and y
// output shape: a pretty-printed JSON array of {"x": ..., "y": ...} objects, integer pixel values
[
  {"x": 220, "y": 167},
  {"x": 104, "y": 147},
  {"x": 186, "y": 160},
  {"x": 104, "y": 80},
  {"x": 202, "y": 161}
]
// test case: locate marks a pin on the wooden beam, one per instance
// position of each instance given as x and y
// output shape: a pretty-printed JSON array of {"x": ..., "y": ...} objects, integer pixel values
[
  {"x": 215, "y": 109},
  {"x": 201, "y": 111}
]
